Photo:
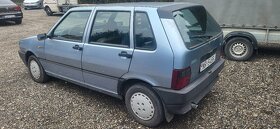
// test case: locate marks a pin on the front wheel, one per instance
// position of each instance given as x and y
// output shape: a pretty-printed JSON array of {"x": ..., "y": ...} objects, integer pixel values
[
  {"x": 144, "y": 105},
  {"x": 239, "y": 49},
  {"x": 48, "y": 11},
  {"x": 36, "y": 70}
]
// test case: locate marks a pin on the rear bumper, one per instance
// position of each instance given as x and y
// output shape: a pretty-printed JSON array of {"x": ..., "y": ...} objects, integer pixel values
[
  {"x": 33, "y": 5},
  {"x": 180, "y": 101},
  {"x": 11, "y": 16}
]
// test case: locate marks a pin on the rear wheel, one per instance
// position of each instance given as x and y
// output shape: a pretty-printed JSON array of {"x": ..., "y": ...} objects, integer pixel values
[
  {"x": 144, "y": 105},
  {"x": 48, "y": 11},
  {"x": 239, "y": 49},
  {"x": 36, "y": 70}
]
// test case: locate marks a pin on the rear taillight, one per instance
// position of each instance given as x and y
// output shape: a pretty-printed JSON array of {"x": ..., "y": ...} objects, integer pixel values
[
  {"x": 17, "y": 8},
  {"x": 180, "y": 78}
]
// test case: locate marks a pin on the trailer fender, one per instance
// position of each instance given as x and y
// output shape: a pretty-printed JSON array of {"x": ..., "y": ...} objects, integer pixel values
[{"x": 243, "y": 34}]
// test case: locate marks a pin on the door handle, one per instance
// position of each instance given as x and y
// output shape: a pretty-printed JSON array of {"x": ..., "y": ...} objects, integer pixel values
[
  {"x": 77, "y": 47},
  {"x": 125, "y": 54}
]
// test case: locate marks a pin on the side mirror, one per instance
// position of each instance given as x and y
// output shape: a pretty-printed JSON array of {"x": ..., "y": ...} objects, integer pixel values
[{"x": 42, "y": 36}]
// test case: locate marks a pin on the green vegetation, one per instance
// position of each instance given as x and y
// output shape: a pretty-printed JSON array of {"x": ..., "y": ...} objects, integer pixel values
[{"x": 19, "y": 2}]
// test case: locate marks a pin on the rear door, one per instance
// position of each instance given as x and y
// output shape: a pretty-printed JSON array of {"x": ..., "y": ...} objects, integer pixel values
[
  {"x": 201, "y": 35},
  {"x": 107, "y": 55}
]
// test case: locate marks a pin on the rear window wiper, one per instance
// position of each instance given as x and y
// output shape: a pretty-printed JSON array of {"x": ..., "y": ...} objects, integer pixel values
[{"x": 201, "y": 36}]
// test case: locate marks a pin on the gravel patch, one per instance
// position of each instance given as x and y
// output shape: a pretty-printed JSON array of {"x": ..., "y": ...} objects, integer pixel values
[{"x": 246, "y": 95}]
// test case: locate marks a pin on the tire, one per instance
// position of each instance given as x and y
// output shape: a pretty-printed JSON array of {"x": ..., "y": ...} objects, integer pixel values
[
  {"x": 19, "y": 21},
  {"x": 48, "y": 11},
  {"x": 41, "y": 5},
  {"x": 36, "y": 70},
  {"x": 239, "y": 49},
  {"x": 141, "y": 96}
]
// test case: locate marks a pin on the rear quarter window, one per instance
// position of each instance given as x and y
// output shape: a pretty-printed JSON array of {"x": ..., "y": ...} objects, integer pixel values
[
  {"x": 143, "y": 32},
  {"x": 196, "y": 25}
]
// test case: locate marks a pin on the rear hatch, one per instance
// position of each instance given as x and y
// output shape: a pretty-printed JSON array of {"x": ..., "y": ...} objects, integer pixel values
[{"x": 202, "y": 37}]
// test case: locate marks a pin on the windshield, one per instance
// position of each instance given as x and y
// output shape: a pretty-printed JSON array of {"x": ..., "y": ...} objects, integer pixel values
[{"x": 196, "y": 25}]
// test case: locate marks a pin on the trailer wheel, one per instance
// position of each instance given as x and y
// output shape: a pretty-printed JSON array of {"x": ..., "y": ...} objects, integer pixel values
[
  {"x": 48, "y": 11},
  {"x": 239, "y": 49}
]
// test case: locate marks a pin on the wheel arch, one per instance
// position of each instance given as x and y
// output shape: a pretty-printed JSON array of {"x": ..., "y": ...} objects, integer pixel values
[
  {"x": 46, "y": 6},
  {"x": 242, "y": 34},
  {"x": 124, "y": 84},
  {"x": 27, "y": 55}
]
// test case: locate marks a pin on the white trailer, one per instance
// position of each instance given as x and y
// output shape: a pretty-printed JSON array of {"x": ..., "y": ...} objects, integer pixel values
[
  {"x": 62, "y": 6},
  {"x": 246, "y": 24}
]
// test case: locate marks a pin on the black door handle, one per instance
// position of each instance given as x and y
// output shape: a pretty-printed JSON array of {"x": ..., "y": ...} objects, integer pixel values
[
  {"x": 77, "y": 47},
  {"x": 125, "y": 54}
]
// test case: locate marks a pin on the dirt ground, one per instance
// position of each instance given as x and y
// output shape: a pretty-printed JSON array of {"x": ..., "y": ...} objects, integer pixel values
[{"x": 246, "y": 95}]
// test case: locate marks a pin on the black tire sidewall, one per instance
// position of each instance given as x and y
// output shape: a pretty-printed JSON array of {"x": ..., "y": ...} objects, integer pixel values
[
  {"x": 246, "y": 42},
  {"x": 159, "y": 111},
  {"x": 48, "y": 11},
  {"x": 43, "y": 76}
]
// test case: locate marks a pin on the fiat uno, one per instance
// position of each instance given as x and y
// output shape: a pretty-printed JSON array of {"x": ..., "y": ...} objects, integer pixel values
[{"x": 160, "y": 58}]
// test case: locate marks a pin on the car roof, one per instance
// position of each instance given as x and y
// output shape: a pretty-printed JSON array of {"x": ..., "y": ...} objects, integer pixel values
[
  {"x": 164, "y": 9},
  {"x": 148, "y": 4}
]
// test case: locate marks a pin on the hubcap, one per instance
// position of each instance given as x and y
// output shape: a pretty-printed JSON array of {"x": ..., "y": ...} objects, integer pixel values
[
  {"x": 142, "y": 106},
  {"x": 35, "y": 69},
  {"x": 238, "y": 49}
]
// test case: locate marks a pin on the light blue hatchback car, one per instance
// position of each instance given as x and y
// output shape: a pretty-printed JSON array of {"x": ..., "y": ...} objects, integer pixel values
[{"x": 161, "y": 58}]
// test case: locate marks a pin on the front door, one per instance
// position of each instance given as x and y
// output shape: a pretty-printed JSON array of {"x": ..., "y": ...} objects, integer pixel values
[
  {"x": 107, "y": 55},
  {"x": 63, "y": 50}
]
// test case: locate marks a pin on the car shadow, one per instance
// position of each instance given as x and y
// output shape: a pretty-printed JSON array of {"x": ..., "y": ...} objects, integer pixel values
[
  {"x": 266, "y": 51},
  {"x": 7, "y": 23},
  {"x": 187, "y": 120},
  {"x": 273, "y": 49},
  {"x": 33, "y": 9},
  {"x": 86, "y": 93},
  {"x": 58, "y": 14},
  {"x": 112, "y": 103}
]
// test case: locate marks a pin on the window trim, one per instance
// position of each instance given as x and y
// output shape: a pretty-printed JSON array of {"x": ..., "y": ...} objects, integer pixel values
[
  {"x": 109, "y": 44},
  {"x": 51, "y": 34},
  {"x": 134, "y": 37}
]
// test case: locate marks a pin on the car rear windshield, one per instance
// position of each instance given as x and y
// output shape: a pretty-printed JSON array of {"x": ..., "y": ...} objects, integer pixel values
[{"x": 196, "y": 25}]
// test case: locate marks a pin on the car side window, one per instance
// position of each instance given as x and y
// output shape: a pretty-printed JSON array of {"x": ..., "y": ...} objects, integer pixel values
[
  {"x": 111, "y": 28},
  {"x": 72, "y": 27},
  {"x": 143, "y": 33}
]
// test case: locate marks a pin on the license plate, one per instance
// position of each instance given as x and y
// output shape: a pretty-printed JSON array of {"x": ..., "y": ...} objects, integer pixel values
[
  {"x": 205, "y": 64},
  {"x": 9, "y": 16}
]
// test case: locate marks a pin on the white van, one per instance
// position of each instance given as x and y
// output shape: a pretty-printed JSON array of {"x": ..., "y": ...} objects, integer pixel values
[{"x": 60, "y": 6}]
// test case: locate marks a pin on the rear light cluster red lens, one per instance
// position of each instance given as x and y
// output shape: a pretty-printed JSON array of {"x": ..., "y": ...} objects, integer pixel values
[
  {"x": 17, "y": 8},
  {"x": 180, "y": 78}
]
